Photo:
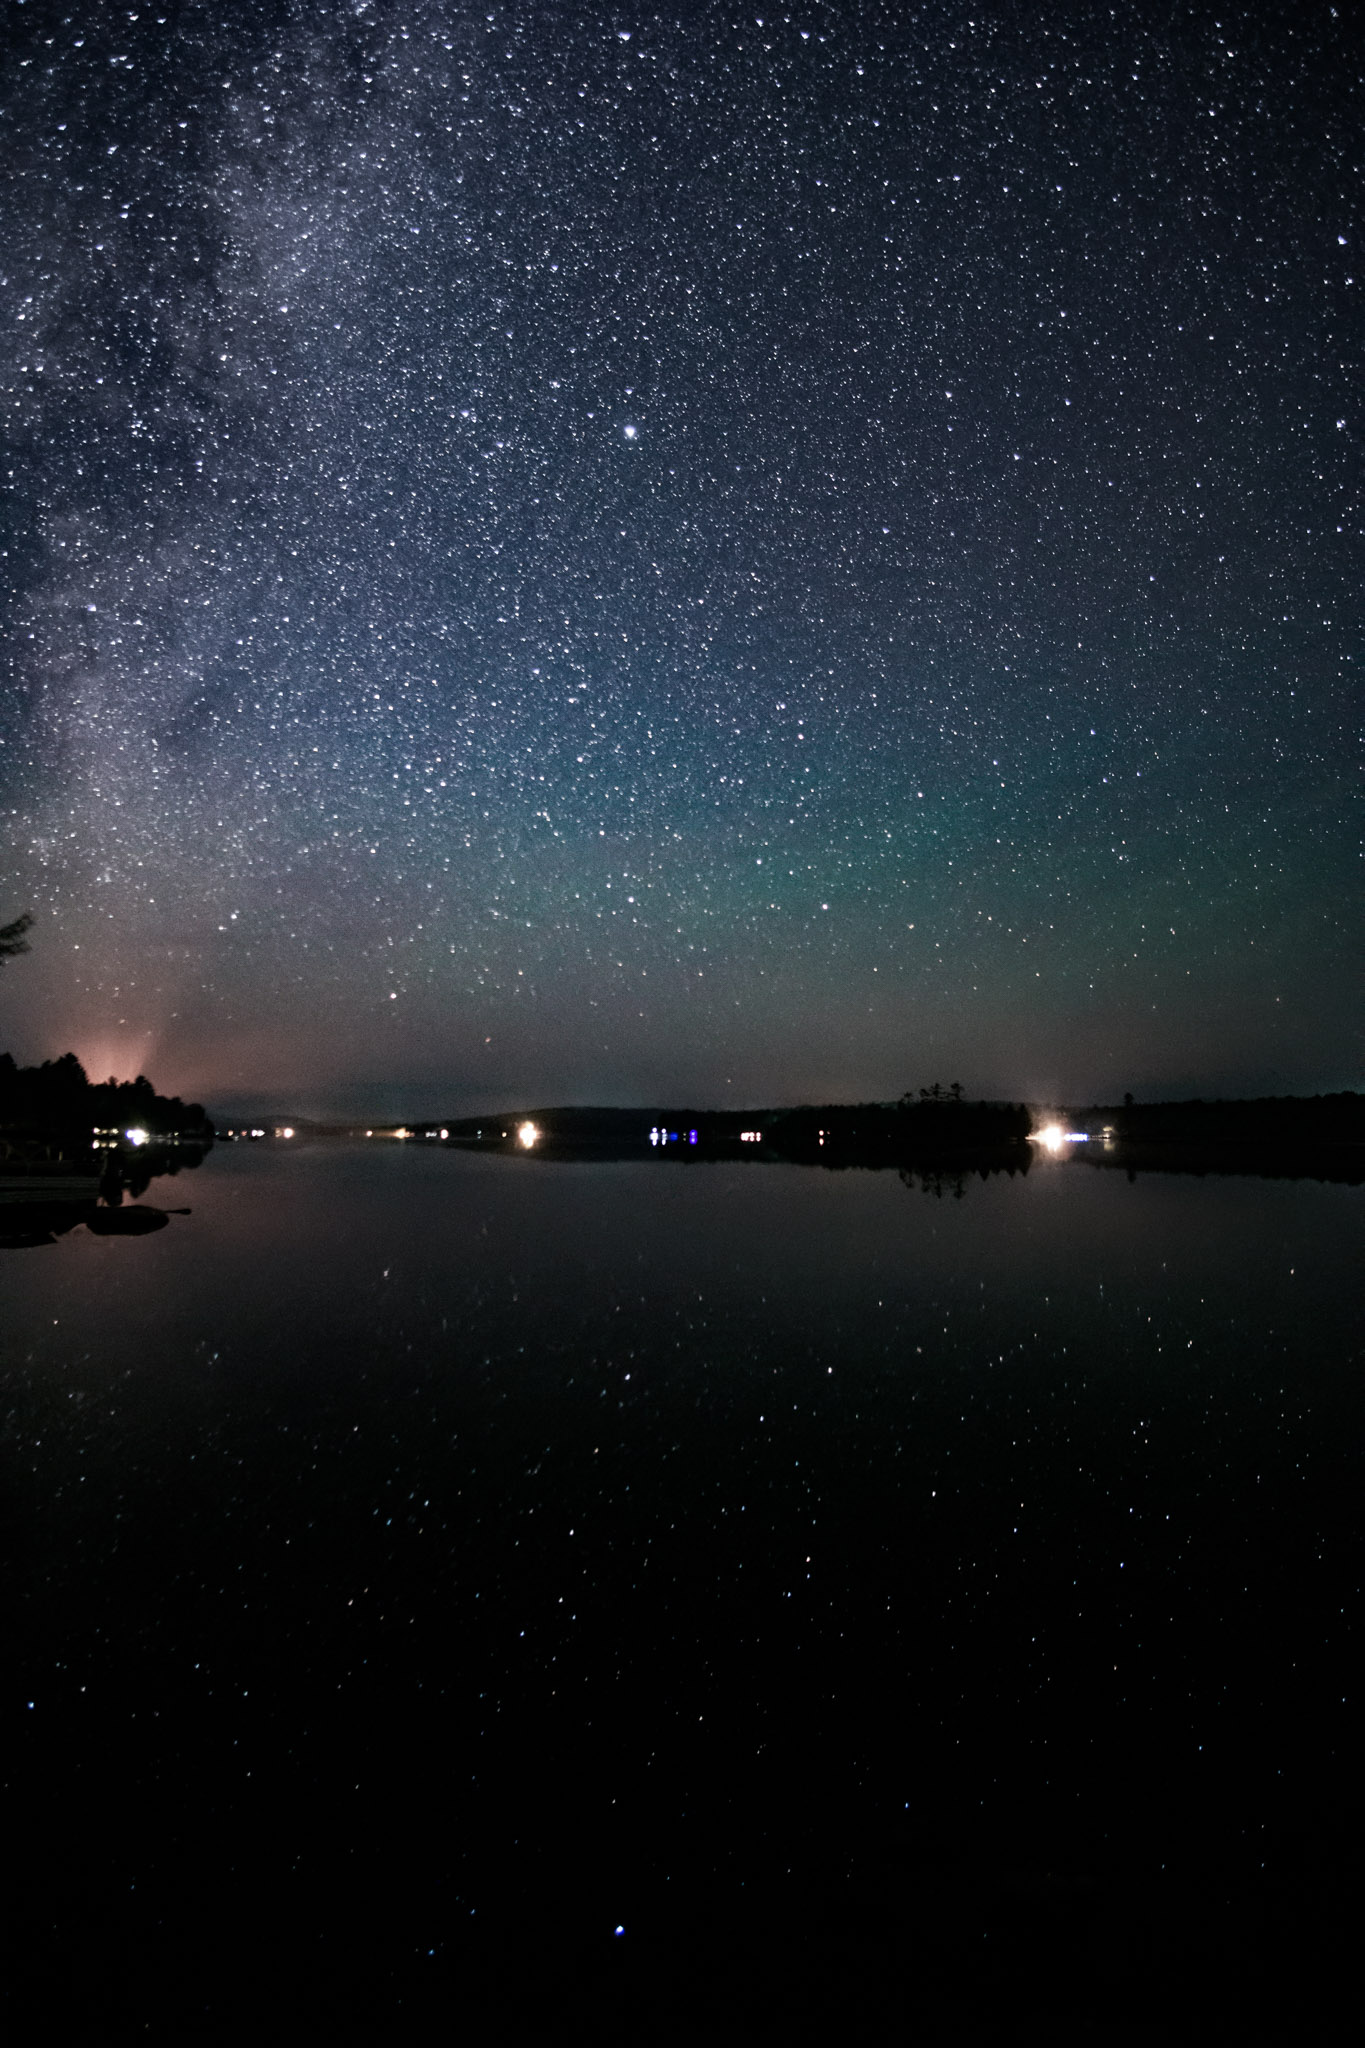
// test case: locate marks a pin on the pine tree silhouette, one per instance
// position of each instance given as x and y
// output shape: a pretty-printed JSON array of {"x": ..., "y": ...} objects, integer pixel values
[{"x": 12, "y": 938}]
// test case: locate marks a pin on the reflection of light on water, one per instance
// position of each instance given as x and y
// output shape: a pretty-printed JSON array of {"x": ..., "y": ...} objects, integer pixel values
[
  {"x": 136, "y": 1136},
  {"x": 527, "y": 1135}
]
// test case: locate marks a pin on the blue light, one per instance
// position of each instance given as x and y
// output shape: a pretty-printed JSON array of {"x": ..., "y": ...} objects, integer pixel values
[{"x": 691, "y": 1137}]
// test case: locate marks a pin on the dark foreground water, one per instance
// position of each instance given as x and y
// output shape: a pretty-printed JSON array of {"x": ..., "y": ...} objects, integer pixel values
[{"x": 471, "y": 1598}]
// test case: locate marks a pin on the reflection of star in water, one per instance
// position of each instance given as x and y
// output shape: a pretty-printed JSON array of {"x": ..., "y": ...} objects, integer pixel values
[{"x": 630, "y": 432}]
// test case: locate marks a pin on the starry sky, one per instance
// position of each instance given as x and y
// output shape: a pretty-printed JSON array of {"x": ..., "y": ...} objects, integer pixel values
[{"x": 711, "y": 555}]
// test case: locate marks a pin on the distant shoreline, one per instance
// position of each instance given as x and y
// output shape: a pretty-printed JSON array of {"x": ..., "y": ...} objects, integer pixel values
[{"x": 1319, "y": 1136}]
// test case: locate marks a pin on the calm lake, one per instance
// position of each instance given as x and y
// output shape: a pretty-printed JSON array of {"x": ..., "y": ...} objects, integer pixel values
[{"x": 684, "y": 1602}]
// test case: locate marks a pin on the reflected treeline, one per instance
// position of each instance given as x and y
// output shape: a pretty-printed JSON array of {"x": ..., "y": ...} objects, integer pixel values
[
  {"x": 941, "y": 1181},
  {"x": 128, "y": 1174},
  {"x": 24, "y": 1225},
  {"x": 38, "y": 1207},
  {"x": 74, "y": 1152},
  {"x": 1342, "y": 1163},
  {"x": 41, "y": 1202}
]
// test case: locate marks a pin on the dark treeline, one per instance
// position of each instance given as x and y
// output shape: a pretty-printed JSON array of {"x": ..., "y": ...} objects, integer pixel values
[
  {"x": 58, "y": 1099},
  {"x": 937, "y": 1126},
  {"x": 1277, "y": 1136},
  {"x": 955, "y": 1177},
  {"x": 1269, "y": 1122},
  {"x": 1321, "y": 1134},
  {"x": 66, "y": 1157}
]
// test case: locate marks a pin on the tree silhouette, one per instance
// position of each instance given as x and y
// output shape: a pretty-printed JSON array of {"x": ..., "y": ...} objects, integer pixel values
[{"x": 12, "y": 938}]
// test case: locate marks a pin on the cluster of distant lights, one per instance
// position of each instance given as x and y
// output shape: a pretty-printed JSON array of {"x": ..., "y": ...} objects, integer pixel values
[
  {"x": 107, "y": 1136},
  {"x": 1052, "y": 1137}
]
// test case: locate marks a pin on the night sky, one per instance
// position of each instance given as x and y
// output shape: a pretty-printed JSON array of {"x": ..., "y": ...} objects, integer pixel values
[{"x": 720, "y": 555}]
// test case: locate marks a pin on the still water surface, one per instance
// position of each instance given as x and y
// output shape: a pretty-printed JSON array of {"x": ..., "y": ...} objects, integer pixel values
[{"x": 425, "y": 1565}]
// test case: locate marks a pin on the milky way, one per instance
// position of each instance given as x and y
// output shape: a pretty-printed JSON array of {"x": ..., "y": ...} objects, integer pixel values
[{"x": 719, "y": 554}]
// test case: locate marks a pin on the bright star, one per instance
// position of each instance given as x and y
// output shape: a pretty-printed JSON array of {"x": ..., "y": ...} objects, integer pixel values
[{"x": 631, "y": 432}]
